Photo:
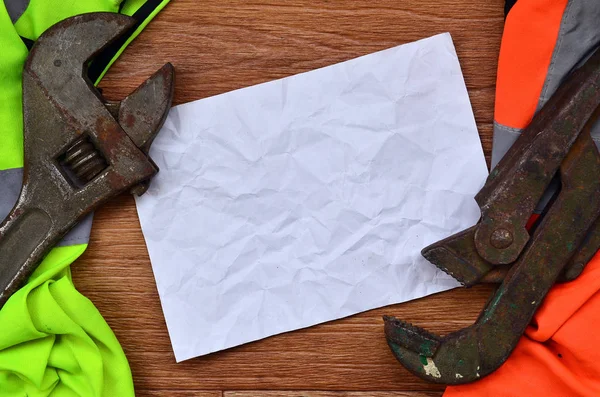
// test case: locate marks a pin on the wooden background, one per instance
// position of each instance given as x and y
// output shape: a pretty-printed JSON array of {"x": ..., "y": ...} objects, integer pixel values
[{"x": 220, "y": 45}]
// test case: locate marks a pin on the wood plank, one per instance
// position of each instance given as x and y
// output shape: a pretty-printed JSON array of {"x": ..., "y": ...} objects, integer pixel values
[
  {"x": 178, "y": 393},
  {"x": 262, "y": 393},
  {"x": 223, "y": 45},
  {"x": 220, "y": 45}
]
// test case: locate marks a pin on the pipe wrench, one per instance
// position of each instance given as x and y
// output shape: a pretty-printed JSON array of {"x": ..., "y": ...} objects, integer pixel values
[{"x": 557, "y": 145}]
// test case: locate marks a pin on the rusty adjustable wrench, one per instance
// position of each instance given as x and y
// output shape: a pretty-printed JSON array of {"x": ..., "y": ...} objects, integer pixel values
[
  {"x": 80, "y": 150},
  {"x": 557, "y": 142}
]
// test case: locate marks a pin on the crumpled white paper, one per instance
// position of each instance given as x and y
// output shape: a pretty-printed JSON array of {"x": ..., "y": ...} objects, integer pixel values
[{"x": 308, "y": 199}]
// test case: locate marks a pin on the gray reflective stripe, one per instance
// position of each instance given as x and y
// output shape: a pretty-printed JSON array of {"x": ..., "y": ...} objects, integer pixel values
[
  {"x": 80, "y": 234},
  {"x": 579, "y": 35},
  {"x": 504, "y": 137},
  {"x": 10, "y": 187},
  {"x": 16, "y": 8}
]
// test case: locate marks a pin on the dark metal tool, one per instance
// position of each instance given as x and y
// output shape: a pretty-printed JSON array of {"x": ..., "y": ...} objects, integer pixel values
[
  {"x": 500, "y": 247},
  {"x": 80, "y": 150}
]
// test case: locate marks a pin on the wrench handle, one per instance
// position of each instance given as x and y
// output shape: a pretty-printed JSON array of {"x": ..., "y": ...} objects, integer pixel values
[{"x": 25, "y": 237}]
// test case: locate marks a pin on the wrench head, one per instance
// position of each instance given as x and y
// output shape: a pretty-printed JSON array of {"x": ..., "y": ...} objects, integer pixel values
[
  {"x": 82, "y": 143},
  {"x": 80, "y": 150}
]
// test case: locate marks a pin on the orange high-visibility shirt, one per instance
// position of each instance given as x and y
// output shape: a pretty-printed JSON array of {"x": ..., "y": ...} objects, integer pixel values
[{"x": 559, "y": 355}]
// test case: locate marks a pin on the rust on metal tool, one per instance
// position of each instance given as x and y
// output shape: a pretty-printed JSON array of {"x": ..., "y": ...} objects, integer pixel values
[
  {"x": 517, "y": 184},
  {"x": 500, "y": 249},
  {"x": 80, "y": 150},
  {"x": 458, "y": 257}
]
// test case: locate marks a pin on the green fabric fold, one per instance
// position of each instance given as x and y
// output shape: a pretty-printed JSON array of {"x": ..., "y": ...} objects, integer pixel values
[{"x": 53, "y": 340}]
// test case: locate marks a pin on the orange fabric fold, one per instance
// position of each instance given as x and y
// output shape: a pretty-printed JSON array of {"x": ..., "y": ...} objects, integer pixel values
[
  {"x": 560, "y": 352},
  {"x": 530, "y": 33}
]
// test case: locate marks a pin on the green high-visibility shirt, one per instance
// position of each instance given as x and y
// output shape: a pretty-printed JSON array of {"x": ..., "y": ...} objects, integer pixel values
[{"x": 53, "y": 341}]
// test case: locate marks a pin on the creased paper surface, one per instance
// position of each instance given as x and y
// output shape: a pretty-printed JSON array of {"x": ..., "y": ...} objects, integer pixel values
[{"x": 308, "y": 199}]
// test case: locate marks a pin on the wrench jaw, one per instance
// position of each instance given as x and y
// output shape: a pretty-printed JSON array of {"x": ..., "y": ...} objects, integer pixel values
[
  {"x": 144, "y": 111},
  {"x": 458, "y": 257},
  {"x": 454, "y": 360}
]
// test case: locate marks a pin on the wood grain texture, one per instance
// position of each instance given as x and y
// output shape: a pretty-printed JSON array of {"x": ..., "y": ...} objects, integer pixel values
[
  {"x": 220, "y": 45},
  {"x": 261, "y": 393},
  {"x": 179, "y": 393}
]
